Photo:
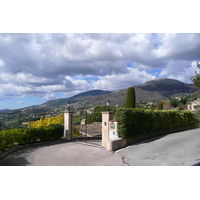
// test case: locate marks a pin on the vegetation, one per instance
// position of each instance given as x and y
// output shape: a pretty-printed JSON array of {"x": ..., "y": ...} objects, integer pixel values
[
  {"x": 9, "y": 138},
  {"x": 133, "y": 122},
  {"x": 130, "y": 98},
  {"x": 96, "y": 115},
  {"x": 181, "y": 101},
  {"x": 197, "y": 113},
  {"x": 160, "y": 106},
  {"x": 196, "y": 78},
  {"x": 59, "y": 119}
]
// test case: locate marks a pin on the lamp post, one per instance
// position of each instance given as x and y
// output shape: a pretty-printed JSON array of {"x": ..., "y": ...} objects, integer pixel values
[{"x": 108, "y": 105}]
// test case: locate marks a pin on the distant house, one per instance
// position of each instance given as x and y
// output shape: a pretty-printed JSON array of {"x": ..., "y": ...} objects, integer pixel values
[
  {"x": 194, "y": 104},
  {"x": 185, "y": 107},
  {"x": 89, "y": 111},
  {"x": 178, "y": 98}
]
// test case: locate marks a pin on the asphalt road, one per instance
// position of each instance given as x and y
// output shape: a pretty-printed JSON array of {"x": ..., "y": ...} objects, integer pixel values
[
  {"x": 63, "y": 154},
  {"x": 177, "y": 149}
]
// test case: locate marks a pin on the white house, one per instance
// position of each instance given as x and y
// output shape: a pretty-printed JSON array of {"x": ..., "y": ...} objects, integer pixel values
[{"x": 194, "y": 104}]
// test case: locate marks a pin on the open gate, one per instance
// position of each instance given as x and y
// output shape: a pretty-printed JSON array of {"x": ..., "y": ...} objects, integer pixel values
[{"x": 89, "y": 133}]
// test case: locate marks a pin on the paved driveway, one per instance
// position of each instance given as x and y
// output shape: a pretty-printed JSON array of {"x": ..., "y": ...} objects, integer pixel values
[
  {"x": 63, "y": 154},
  {"x": 182, "y": 148}
]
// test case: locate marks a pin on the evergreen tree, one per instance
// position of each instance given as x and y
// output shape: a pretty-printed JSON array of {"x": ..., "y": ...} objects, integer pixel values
[
  {"x": 130, "y": 98},
  {"x": 196, "y": 78},
  {"x": 160, "y": 106}
]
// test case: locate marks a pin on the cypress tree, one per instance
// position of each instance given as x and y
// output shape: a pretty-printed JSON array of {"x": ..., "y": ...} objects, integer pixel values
[
  {"x": 130, "y": 98},
  {"x": 160, "y": 106}
]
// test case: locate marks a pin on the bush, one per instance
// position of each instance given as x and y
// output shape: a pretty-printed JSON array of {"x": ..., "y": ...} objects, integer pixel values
[
  {"x": 133, "y": 122},
  {"x": 197, "y": 113},
  {"x": 23, "y": 136},
  {"x": 94, "y": 117},
  {"x": 76, "y": 132}
]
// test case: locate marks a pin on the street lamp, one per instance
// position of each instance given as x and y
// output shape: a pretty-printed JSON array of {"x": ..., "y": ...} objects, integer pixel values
[
  {"x": 108, "y": 105},
  {"x": 68, "y": 106}
]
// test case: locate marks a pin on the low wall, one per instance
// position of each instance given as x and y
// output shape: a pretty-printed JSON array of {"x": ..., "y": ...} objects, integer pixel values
[{"x": 114, "y": 145}]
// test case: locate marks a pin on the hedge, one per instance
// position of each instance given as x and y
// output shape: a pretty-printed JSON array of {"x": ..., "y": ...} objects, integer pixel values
[
  {"x": 132, "y": 122},
  {"x": 9, "y": 138}
]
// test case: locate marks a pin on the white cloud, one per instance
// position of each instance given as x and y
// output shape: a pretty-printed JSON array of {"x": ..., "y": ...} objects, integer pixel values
[
  {"x": 180, "y": 70},
  {"x": 120, "y": 81},
  {"x": 45, "y": 64},
  {"x": 177, "y": 46},
  {"x": 28, "y": 86},
  {"x": 1, "y": 63},
  {"x": 20, "y": 102}
]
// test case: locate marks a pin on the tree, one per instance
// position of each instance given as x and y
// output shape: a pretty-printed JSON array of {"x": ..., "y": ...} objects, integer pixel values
[
  {"x": 196, "y": 79},
  {"x": 94, "y": 117},
  {"x": 100, "y": 108},
  {"x": 130, "y": 98},
  {"x": 160, "y": 106},
  {"x": 174, "y": 102}
]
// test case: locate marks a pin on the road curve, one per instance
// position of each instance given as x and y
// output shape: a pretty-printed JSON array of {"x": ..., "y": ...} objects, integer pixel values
[{"x": 177, "y": 149}]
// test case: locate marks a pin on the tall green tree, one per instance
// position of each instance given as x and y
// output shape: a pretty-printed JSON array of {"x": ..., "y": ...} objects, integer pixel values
[
  {"x": 130, "y": 98},
  {"x": 160, "y": 106},
  {"x": 196, "y": 78}
]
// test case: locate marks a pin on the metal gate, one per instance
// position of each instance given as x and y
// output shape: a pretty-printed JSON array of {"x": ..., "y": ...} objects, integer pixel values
[{"x": 89, "y": 133}]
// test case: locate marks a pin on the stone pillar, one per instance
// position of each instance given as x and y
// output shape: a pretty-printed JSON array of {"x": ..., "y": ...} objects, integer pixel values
[
  {"x": 106, "y": 117},
  {"x": 68, "y": 125}
]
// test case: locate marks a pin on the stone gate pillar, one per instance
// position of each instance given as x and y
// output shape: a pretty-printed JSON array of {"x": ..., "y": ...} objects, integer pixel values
[
  {"x": 68, "y": 125},
  {"x": 106, "y": 117}
]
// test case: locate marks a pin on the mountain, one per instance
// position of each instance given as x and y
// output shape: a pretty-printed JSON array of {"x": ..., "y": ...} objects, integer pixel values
[
  {"x": 4, "y": 110},
  {"x": 76, "y": 98},
  {"x": 154, "y": 90},
  {"x": 166, "y": 86},
  {"x": 157, "y": 90}
]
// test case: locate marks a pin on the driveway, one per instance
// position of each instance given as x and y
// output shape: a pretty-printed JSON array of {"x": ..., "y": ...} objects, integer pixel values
[
  {"x": 177, "y": 149},
  {"x": 63, "y": 154}
]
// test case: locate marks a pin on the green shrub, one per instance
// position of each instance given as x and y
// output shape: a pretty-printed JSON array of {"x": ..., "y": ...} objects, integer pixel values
[
  {"x": 76, "y": 132},
  {"x": 197, "y": 113},
  {"x": 94, "y": 117},
  {"x": 160, "y": 106},
  {"x": 133, "y": 122},
  {"x": 23, "y": 136}
]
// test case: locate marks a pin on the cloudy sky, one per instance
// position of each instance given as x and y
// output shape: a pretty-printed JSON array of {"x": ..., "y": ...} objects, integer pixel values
[{"x": 39, "y": 67}]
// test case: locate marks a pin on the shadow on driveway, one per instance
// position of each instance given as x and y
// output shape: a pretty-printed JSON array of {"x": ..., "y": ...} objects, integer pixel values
[
  {"x": 63, "y": 154},
  {"x": 19, "y": 156}
]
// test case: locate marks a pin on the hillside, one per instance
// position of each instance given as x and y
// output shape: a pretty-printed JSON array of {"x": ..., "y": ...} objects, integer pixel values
[
  {"x": 155, "y": 90},
  {"x": 76, "y": 98},
  {"x": 4, "y": 110},
  {"x": 167, "y": 87}
]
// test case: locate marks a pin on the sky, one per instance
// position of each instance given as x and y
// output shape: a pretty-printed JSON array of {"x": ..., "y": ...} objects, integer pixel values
[
  {"x": 38, "y": 64},
  {"x": 39, "y": 67}
]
